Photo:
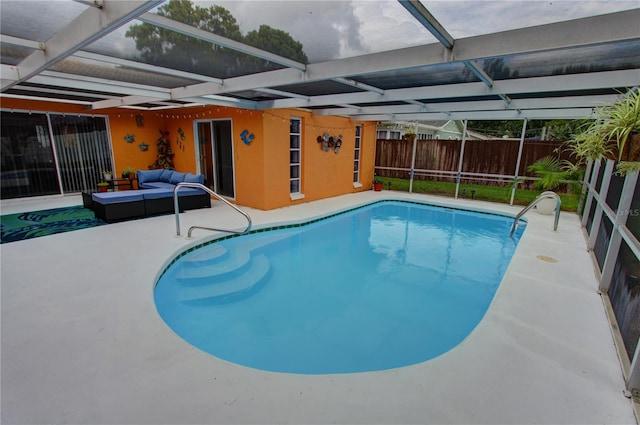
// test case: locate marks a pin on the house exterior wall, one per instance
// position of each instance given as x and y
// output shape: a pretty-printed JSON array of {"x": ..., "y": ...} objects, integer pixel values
[{"x": 261, "y": 168}]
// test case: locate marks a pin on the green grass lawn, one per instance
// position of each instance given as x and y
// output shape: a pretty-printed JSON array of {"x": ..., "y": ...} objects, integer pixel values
[{"x": 484, "y": 193}]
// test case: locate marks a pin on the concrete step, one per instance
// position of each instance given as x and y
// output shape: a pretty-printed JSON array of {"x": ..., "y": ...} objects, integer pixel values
[
  {"x": 234, "y": 263},
  {"x": 231, "y": 289}
]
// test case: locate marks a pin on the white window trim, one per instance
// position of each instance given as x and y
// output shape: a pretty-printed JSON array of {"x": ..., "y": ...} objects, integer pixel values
[
  {"x": 357, "y": 148},
  {"x": 296, "y": 195}
]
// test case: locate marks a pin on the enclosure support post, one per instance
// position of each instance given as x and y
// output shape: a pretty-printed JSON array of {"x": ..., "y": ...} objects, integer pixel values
[
  {"x": 584, "y": 188},
  {"x": 464, "y": 137},
  {"x": 591, "y": 184},
  {"x": 515, "y": 174},
  {"x": 413, "y": 157},
  {"x": 624, "y": 206},
  {"x": 633, "y": 382},
  {"x": 601, "y": 200}
]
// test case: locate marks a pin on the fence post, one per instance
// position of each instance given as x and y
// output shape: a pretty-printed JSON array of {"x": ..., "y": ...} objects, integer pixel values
[
  {"x": 413, "y": 158},
  {"x": 515, "y": 174},
  {"x": 464, "y": 137}
]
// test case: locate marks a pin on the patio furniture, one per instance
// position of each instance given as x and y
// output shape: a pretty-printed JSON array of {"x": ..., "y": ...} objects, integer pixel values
[
  {"x": 160, "y": 201},
  {"x": 113, "y": 206}
]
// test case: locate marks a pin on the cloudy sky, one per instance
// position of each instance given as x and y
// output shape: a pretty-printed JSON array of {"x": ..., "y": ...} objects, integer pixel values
[{"x": 331, "y": 29}]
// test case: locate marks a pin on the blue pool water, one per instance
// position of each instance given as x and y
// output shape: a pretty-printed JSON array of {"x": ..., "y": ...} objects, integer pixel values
[{"x": 383, "y": 286}]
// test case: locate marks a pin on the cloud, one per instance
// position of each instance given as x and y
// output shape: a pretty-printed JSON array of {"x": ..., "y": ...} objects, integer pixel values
[
  {"x": 325, "y": 28},
  {"x": 468, "y": 18},
  {"x": 332, "y": 29}
]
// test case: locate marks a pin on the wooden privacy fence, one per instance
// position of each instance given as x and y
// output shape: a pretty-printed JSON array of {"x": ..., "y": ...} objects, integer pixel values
[{"x": 438, "y": 159}]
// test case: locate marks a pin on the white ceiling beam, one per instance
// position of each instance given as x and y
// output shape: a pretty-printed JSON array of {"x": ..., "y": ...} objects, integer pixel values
[
  {"x": 43, "y": 99},
  {"x": 488, "y": 105},
  {"x": 237, "y": 84},
  {"x": 417, "y": 9},
  {"x": 581, "y": 32},
  {"x": 283, "y": 93},
  {"x": 89, "y": 26},
  {"x": 479, "y": 72},
  {"x": 110, "y": 60},
  {"x": 9, "y": 72},
  {"x": 358, "y": 85},
  {"x": 61, "y": 91},
  {"x": 164, "y": 22},
  {"x": 537, "y": 114},
  {"x": 22, "y": 42},
  {"x": 604, "y": 28},
  {"x": 595, "y": 80},
  {"x": 79, "y": 82}
]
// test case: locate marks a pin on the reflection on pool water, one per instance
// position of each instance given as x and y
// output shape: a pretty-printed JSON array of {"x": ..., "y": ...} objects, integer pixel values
[{"x": 383, "y": 286}]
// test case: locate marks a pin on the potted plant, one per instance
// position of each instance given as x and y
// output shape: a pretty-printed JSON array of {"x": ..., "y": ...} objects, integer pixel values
[
  {"x": 614, "y": 134},
  {"x": 103, "y": 186},
  {"x": 129, "y": 173},
  {"x": 107, "y": 175},
  {"x": 552, "y": 173},
  {"x": 377, "y": 184}
]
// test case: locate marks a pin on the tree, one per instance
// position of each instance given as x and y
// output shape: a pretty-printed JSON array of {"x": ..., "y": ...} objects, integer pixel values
[
  {"x": 276, "y": 41},
  {"x": 168, "y": 48}
]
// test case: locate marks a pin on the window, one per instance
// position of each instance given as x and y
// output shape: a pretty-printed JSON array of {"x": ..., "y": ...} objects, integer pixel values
[
  {"x": 295, "y": 125},
  {"x": 425, "y": 136},
  {"x": 356, "y": 155},
  {"x": 381, "y": 134},
  {"x": 35, "y": 162},
  {"x": 395, "y": 135}
]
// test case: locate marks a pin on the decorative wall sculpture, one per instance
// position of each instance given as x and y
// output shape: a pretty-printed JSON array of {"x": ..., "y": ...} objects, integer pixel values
[{"x": 328, "y": 142}]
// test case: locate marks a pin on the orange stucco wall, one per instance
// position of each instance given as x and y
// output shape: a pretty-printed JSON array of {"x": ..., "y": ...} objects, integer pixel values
[{"x": 261, "y": 168}]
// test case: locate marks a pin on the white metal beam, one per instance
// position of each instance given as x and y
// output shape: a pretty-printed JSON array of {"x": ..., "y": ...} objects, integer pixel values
[
  {"x": 537, "y": 114},
  {"x": 417, "y": 9},
  {"x": 188, "y": 30},
  {"x": 110, "y": 60},
  {"x": 283, "y": 93},
  {"x": 556, "y": 83},
  {"x": 88, "y": 27},
  {"x": 22, "y": 42},
  {"x": 601, "y": 29},
  {"x": 358, "y": 85},
  {"x": 485, "y": 105}
]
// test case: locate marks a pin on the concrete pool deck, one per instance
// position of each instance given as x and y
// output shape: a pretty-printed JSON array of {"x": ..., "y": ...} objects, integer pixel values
[{"x": 82, "y": 342}]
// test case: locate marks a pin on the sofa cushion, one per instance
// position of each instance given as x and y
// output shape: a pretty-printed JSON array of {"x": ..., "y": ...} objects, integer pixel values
[
  {"x": 190, "y": 191},
  {"x": 116, "y": 197},
  {"x": 166, "y": 176},
  {"x": 157, "y": 193},
  {"x": 194, "y": 178},
  {"x": 177, "y": 177},
  {"x": 148, "y": 175},
  {"x": 160, "y": 193},
  {"x": 156, "y": 185}
]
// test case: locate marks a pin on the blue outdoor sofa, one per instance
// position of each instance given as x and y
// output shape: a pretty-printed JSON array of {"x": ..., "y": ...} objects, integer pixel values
[
  {"x": 155, "y": 196},
  {"x": 158, "y": 188}
]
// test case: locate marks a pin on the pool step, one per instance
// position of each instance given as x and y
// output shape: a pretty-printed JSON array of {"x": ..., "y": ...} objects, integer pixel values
[
  {"x": 234, "y": 288},
  {"x": 206, "y": 256},
  {"x": 216, "y": 254},
  {"x": 235, "y": 262}
]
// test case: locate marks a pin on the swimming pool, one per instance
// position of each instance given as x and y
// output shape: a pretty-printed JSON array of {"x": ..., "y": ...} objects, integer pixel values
[{"x": 387, "y": 285}]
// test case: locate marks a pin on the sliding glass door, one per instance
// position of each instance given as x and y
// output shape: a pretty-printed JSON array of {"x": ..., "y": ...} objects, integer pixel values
[
  {"x": 33, "y": 165},
  {"x": 83, "y": 151}
]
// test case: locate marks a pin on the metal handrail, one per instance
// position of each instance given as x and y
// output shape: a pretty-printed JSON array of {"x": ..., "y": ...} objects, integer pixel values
[
  {"x": 543, "y": 195},
  {"x": 212, "y": 193}
]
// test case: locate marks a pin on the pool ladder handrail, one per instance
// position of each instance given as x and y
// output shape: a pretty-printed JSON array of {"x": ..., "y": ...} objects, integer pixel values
[
  {"x": 212, "y": 193},
  {"x": 543, "y": 195}
]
